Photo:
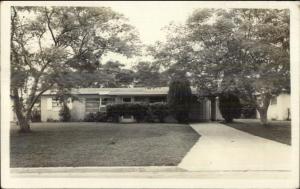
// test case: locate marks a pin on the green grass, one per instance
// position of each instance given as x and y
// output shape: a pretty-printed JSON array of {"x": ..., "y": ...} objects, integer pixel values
[
  {"x": 100, "y": 144},
  {"x": 279, "y": 131}
]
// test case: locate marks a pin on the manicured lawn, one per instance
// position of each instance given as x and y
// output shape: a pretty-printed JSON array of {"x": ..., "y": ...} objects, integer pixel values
[
  {"x": 100, "y": 144},
  {"x": 279, "y": 131}
]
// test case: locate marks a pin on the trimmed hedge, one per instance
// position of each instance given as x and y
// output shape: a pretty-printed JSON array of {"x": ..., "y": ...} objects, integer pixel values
[
  {"x": 160, "y": 110},
  {"x": 137, "y": 110},
  {"x": 96, "y": 117},
  {"x": 142, "y": 112}
]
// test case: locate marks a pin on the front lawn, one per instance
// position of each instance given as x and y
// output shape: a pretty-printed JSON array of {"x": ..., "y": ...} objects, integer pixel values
[
  {"x": 100, "y": 144},
  {"x": 279, "y": 131}
]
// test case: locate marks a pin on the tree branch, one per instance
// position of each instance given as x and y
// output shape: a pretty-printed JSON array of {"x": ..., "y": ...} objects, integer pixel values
[
  {"x": 37, "y": 97},
  {"x": 49, "y": 27},
  {"x": 82, "y": 43}
]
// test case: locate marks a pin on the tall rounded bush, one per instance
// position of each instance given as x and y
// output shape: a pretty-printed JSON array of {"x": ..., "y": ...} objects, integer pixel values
[
  {"x": 179, "y": 98},
  {"x": 230, "y": 106}
]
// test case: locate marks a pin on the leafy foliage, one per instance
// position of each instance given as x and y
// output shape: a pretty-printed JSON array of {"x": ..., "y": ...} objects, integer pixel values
[
  {"x": 248, "y": 110},
  {"x": 225, "y": 50},
  {"x": 159, "y": 110},
  {"x": 61, "y": 48},
  {"x": 149, "y": 75},
  {"x": 96, "y": 117},
  {"x": 230, "y": 106},
  {"x": 119, "y": 77},
  {"x": 179, "y": 98},
  {"x": 35, "y": 115},
  {"x": 137, "y": 110},
  {"x": 140, "y": 111}
]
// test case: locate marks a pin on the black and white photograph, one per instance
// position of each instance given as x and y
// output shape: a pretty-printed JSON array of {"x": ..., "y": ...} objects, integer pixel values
[{"x": 181, "y": 94}]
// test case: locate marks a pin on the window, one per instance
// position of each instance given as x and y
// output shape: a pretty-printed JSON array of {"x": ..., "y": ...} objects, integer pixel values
[
  {"x": 56, "y": 103},
  {"x": 274, "y": 100},
  {"x": 105, "y": 101},
  {"x": 158, "y": 99},
  {"x": 140, "y": 99},
  {"x": 127, "y": 99},
  {"x": 102, "y": 109},
  {"x": 92, "y": 104}
]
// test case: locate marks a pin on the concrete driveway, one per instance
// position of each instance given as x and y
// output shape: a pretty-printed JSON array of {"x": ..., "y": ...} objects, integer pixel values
[{"x": 226, "y": 149}]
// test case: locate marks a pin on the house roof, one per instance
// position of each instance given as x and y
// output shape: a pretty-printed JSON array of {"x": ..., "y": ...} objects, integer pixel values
[{"x": 120, "y": 91}]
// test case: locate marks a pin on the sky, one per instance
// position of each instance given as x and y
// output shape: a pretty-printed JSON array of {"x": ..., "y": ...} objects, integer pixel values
[{"x": 149, "y": 18}]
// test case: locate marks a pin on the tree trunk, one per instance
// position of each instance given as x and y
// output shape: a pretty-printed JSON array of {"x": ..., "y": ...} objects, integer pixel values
[
  {"x": 24, "y": 125},
  {"x": 263, "y": 114},
  {"x": 263, "y": 108},
  {"x": 23, "y": 121},
  {"x": 213, "y": 108}
]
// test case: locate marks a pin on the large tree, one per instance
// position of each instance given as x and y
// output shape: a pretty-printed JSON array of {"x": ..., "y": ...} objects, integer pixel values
[
  {"x": 225, "y": 50},
  {"x": 148, "y": 74},
  {"x": 59, "y": 47},
  {"x": 120, "y": 76}
]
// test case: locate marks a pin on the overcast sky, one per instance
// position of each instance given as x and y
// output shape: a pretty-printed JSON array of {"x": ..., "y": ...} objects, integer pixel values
[{"x": 149, "y": 18}]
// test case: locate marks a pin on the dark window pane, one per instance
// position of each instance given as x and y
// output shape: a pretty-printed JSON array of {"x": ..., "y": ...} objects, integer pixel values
[
  {"x": 126, "y": 99},
  {"x": 158, "y": 99}
]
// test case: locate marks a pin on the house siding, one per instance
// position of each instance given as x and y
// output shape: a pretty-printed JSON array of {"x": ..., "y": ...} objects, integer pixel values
[
  {"x": 47, "y": 113},
  {"x": 78, "y": 110},
  {"x": 280, "y": 110},
  {"x": 200, "y": 110},
  {"x": 218, "y": 112}
]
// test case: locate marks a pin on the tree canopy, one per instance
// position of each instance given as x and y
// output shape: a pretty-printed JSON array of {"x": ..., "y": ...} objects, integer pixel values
[
  {"x": 148, "y": 74},
  {"x": 225, "y": 50},
  {"x": 60, "y": 47}
]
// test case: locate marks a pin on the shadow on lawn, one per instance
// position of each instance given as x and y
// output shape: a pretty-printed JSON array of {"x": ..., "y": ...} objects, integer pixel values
[
  {"x": 279, "y": 131},
  {"x": 101, "y": 144}
]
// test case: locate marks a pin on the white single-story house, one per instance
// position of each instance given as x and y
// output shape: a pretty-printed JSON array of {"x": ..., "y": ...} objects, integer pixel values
[
  {"x": 92, "y": 100},
  {"x": 279, "y": 108}
]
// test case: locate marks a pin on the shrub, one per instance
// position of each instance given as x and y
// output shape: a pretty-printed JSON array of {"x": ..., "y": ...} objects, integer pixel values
[
  {"x": 150, "y": 118},
  {"x": 113, "y": 112},
  {"x": 51, "y": 120},
  {"x": 138, "y": 110},
  {"x": 230, "y": 106},
  {"x": 35, "y": 115},
  {"x": 101, "y": 117},
  {"x": 96, "y": 117},
  {"x": 64, "y": 113},
  {"x": 248, "y": 111},
  {"x": 179, "y": 98},
  {"x": 90, "y": 117},
  {"x": 159, "y": 110}
]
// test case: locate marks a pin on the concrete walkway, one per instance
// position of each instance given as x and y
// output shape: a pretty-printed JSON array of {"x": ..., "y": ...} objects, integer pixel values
[{"x": 223, "y": 148}]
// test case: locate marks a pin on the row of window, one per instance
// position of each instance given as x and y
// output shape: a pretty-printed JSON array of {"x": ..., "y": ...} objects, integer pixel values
[{"x": 95, "y": 104}]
